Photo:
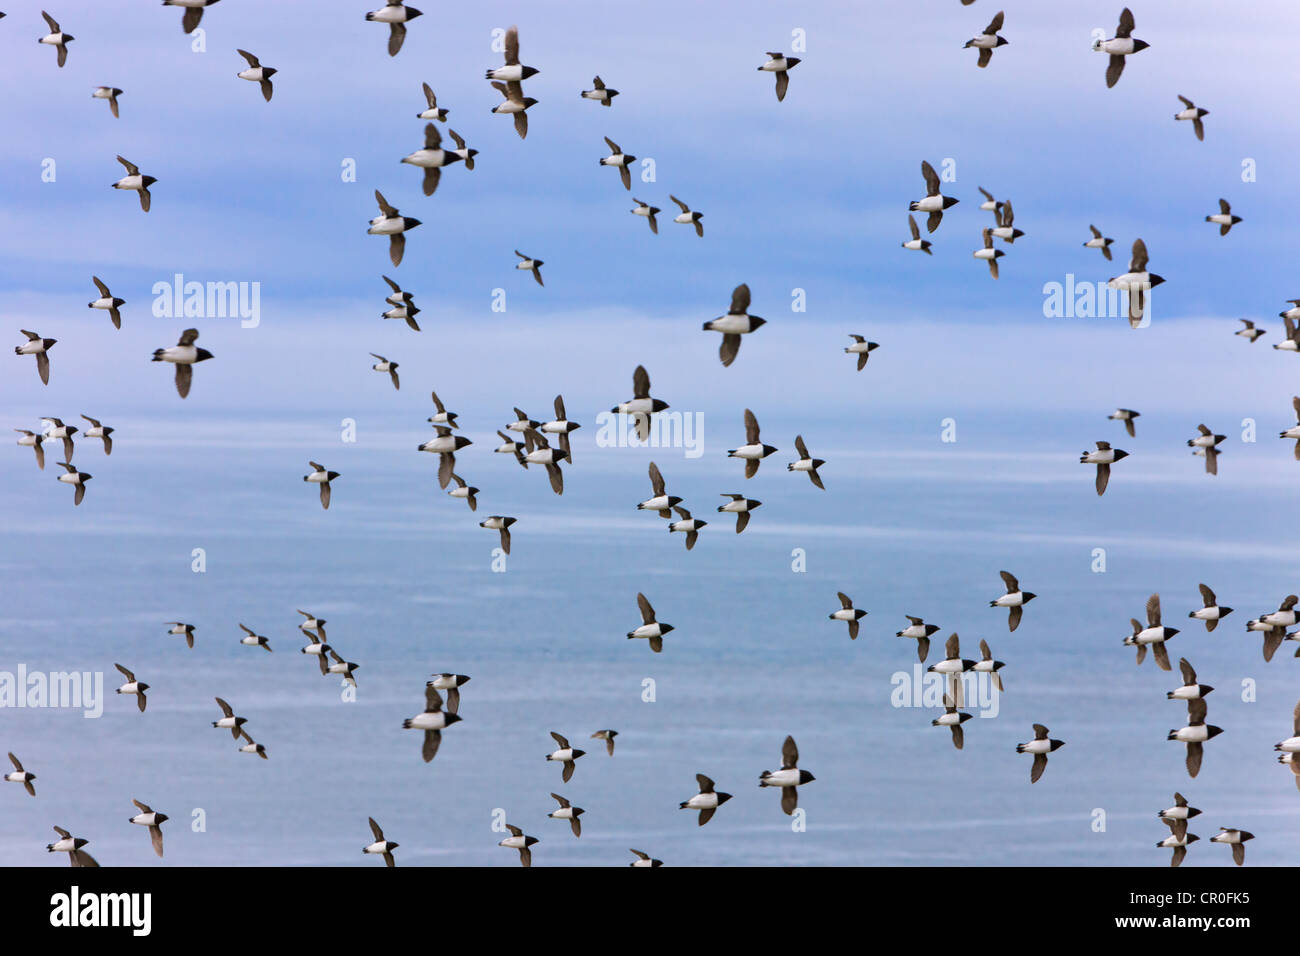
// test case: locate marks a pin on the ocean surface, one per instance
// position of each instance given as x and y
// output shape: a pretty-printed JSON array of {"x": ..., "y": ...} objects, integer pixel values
[{"x": 404, "y": 577}]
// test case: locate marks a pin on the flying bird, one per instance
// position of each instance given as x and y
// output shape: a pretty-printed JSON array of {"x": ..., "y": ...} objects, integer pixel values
[
  {"x": 391, "y": 223},
  {"x": 734, "y": 324},
  {"x": 849, "y": 613},
  {"x": 110, "y": 93},
  {"x": 987, "y": 41},
  {"x": 184, "y": 355},
  {"x": 1195, "y": 734},
  {"x": 1098, "y": 241},
  {"x": 688, "y": 217},
  {"x": 741, "y": 507},
  {"x": 1153, "y": 635},
  {"x": 1138, "y": 283},
  {"x": 650, "y": 628},
  {"x": 1103, "y": 458},
  {"x": 431, "y": 158},
  {"x": 433, "y": 721},
  {"x": 753, "y": 451},
  {"x": 1194, "y": 113},
  {"x": 1224, "y": 218},
  {"x": 381, "y": 846},
  {"x": 518, "y": 841},
  {"x": 1210, "y": 612},
  {"x": 620, "y": 161},
  {"x": 1040, "y": 747},
  {"x": 600, "y": 93},
  {"x": 1014, "y": 599},
  {"x": 322, "y": 476},
  {"x": 1121, "y": 45},
  {"x": 56, "y": 38},
  {"x": 1127, "y": 416},
  {"x": 529, "y": 264},
  {"x": 193, "y": 12},
  {"x": 384, "y": 365},
  {"x": 397, "y": 17},
  {"x": 256, "y": 73},
  {"x": 706, "y": 801},
  {"x": 934, "y": 202},
  {"x": 133, "y": 686},
  {"x": 567, "y": 811},
  {"x": 148, "y": 817},
  {"x": 781, "y": 65},
  {"x": 39, "y": 347},
  {"x": 25, "y": 777},
  {"x": 807, "y": 463},
  {"x": 564, "y": 755},
  {"x": 789, "y": 778},
  {"x": 640, "y": 406}
]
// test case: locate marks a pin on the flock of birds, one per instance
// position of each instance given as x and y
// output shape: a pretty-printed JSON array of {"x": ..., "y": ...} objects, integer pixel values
[{"x": 536, "y": 449}]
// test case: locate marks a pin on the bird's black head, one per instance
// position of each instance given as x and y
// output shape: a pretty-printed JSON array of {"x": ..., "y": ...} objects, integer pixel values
[
  {"x": 452, "y": 718},
  {"x": 202, "y": 355},
  {"x": 1211, "y": 731},
  {"x": 1120, "y": 453},
  {"x": 532, "y": 71},
  {"x": 1139, "y": 45},
  {"x": 665, "y": 628},
  {"x": 723, "y": 798}
]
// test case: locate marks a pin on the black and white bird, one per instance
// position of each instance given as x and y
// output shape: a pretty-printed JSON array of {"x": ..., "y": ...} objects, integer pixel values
[
  {"x": 445, "y": 445},
  {"x": 397, "y": 16},
  {"x": 934, "y": 202},
  {"x": 1191, "y": 689},
  {"x": 1289, "y": 748},
  {"x": 55, "y": 429},
  {"x": 381, "y": 846},
  {"x": 1103, "y": 458},
  {"x": 1224, "y": 218},
  {"x": 1291, "y": 339},
  {"x": 1098, "y": 241},
  {"x": 1273, "y": 626},
  {"x": 451, "y": 683},
  {"x": 537, "y": 451},
  {"x": 741, "y": 507},
  {"x": 403, "y": 305},
  {"x": 433, "y": 111},
  {"x": 952, "y": 719},
  {"x": 193, "y": 12},
  {"x": 562, "y": 426},
  {"x": 807, "y": 463},
  {"x": 431, "y": 158},
  {"x": 101, "y": 431},
  {"x": 1236, "y": 839},
  {"x": 19, "y": 775},
  {"x": 529, "y": 264},
  {"x": 384, "y": 365},
  {"x": 229, "y": 720},
  {"x": 1040, "y": 747},
  {"x": 515, "y": 104},
  {"x": 1154, "y": 635},
  {"x": 40, "y": 347},
  {"x": 345, "y": 669},
  {"x": 621, "y": 161},
  {"x": 465, "y": 491},
  {"x": 649, "y": 212},
  {"x": 518, "y": 841},
  {"x": 512, "y": 70},
  {"x": 56, "y": 38},
  {"x": 660, "y": 501},
  {"x": 1137, "y": 283},
  {"x": 1195, "y": 734},
  {"x": 133, "y": 687},
  {"x": 988, "y": 253},
  {"x": 322, "y": 476},
  {"x": 391, "y": 223},
  {"x": 1127, "y": 416},
  {"x": 564, "y": 755},
  {"x": 688, "y": 217},
  {"x": 753, "y": 451},
  {"x": 133, "y": 180},
  {"x": 184, "y": 355},
  {"x": 148, "y": 817},
  {"x": 256, "y": 73},
  {"x": 509, "y": 446},
  {"x": 567, "y": 811},
  {"x": 1121, "y": 45},
  {"x": 1178, "y": 815},
  {"x": 952, "y": 667},
  {"x": 1014, "y": 599},
  {"x": 734, "y": 324},
  {"x": 920, "y": 632},
  {"x": 34, "y": 440},
  {"x": 1294, "y": 431},
  {"x": 1249, "y": 332},
  {"x": 987, "y": 665},
  {"x": 181, "y": 629},
  {"x": 440, "y": 415},
  {"x": 600, "y": 92},
  {"x": 1191, "y": 111},
  {"x": 75, "y": 478},
  {"x": 1006, "y": 229},
  {"x": 781, "y": 65},
  {"x": 849, "y": 613},
  {"x": 706, "y": 801},
  {"x": 1178, "y": 840},
  {"x": 789, "y": 778},
  {"x": 500, "y": 523},
  {"x": 1210, "y": 612},
  {"x": 641, "y": 406},
  {"x": 607, "y": 736},
  {"x": 650, "y": 628},
  {"x": 110, "y": 93},
  {"x": 1207, "y": 444},
  {"x": 433, "y": 721},
  {"x": 987, "y": 41},
  {"x": 251, "y": 746},
  {"x": 861, "y": 348},
  {"x": 916, "y": 243},
  {"x": 644, "y": 859},
  {"x": 686, "y": 524},
  {"x": 72, "y": 846},
  {"x": 252, "y": 639}
]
